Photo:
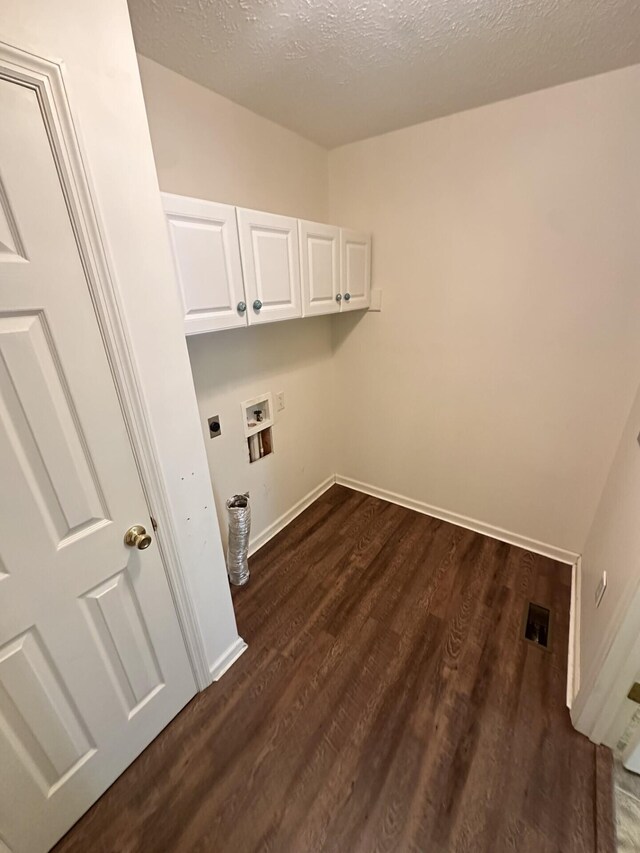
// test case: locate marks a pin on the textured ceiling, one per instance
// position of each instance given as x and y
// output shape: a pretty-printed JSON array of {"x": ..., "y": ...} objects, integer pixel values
[{"x": 340, "y": 70}]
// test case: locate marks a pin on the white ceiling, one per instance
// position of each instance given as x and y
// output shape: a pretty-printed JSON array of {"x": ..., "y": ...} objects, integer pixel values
[{"x": 340, "y": 70}]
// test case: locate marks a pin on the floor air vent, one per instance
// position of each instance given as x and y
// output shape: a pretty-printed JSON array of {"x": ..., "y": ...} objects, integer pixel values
[{"x": 537, "y": 625}]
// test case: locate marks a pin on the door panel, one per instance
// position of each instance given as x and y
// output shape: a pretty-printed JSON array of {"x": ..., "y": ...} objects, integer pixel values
[
  {"x": 11, "y": 248},
  {"x": 37, "y": 714},
  {"x": 121, "y": 635},
  {"x": 319, "y": 268},
  {"x": 206, "y": 253},
  {"x": 43, "y": 427},
  {"x": 356, "y": 270},
  {"x": 92, "y": 660},
  {"x": 271, "y": 265}
]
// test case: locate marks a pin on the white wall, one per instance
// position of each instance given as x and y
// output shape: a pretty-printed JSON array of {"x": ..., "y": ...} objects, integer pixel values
[
  {"x": 236, "y": 365},
  {"x": 206, "y": 146},
  {"x": 93, "y": 40},
  {"x": 497, "y": 379}
]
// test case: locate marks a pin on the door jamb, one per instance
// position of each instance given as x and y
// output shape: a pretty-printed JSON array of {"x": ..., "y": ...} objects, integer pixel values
[{"x": 46, "y": 79}]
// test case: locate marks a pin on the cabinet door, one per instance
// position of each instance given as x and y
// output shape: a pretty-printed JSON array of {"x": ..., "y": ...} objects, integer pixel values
[
  {"x": 319, "y": 268},
  {"x": 271, "y": 265},
  {"x": 355, "y": 261},
  {"x": 206, "y": 253}
]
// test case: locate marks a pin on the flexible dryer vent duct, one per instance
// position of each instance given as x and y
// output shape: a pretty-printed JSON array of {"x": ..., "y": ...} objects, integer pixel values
[{"x": 238, "y": 548}]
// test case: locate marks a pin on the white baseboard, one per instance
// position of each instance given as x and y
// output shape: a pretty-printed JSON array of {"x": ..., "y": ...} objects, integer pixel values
[
  {"x": 228, "y": 657},
  {"x": 280, "y": 523},
  {"x": 573, "y": 659},
  {"x": 559, "y": 554}
]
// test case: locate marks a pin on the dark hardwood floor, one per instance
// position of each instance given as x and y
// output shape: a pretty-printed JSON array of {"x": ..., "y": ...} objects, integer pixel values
[{"x": 387, "y": 701}]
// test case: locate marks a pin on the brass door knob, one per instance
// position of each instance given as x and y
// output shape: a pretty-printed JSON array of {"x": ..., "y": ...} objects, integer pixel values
[{"x": 137, "y": 537}]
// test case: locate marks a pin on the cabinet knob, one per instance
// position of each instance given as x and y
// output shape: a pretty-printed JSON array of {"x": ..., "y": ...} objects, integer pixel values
[
  {"x": 338, "y": 297},
  {"x": 242, "y": 307},
  {"x": 347, "y": 297},
  {"x": 257, "y": 305}
]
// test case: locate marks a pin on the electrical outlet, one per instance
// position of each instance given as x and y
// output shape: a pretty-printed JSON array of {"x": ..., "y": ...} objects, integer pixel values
[
  {"x": 280, "y": 401},
  {"x": 214, "y": 426},
  {"x": 600, "y": 589}
]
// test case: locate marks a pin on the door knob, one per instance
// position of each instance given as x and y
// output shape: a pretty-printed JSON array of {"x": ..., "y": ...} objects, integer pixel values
[
  {"x": 137, "y": 537},
  {"x": 347, "y": 297},
  {"x": 338, "y": 297},
  {"x": 242, "y": 307},
  {"x": 257, "y": 305}
]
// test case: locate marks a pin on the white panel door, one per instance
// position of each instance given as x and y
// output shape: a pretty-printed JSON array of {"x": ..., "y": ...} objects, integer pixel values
[
  {"x": 355, "y": 257},
  {"x": 92, "y": 660},
  {"x": 206, "y": 254},
  {"x": 271, "y": 265},
  {"x": 319, "y": 268}
]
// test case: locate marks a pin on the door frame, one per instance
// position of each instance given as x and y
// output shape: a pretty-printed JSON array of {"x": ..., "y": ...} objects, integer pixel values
[
  {"x": 601, "y": 709},
  {"x": 46, "y": 79}
]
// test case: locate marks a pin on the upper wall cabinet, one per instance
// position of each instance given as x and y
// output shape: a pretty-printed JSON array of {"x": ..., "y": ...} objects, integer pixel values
[
  {"x": 238, "y": 267},
  {"x": 271, "y": 265},
  {"x": 206, "y": 252},
  {"x": 319, "y": 268},
  {"x": 355, "y": 260}
]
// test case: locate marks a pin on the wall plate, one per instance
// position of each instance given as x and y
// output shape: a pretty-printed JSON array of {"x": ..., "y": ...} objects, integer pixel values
[
  {"x": 376, "y": 299},
  {"x": 601, "y": 588},
  {"x": 262, "y": 403},
  {"x": 634, "y": 693}
]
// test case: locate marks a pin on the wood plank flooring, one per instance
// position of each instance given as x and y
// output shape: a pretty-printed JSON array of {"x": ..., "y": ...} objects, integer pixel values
[{"x": 387, "y": 702}]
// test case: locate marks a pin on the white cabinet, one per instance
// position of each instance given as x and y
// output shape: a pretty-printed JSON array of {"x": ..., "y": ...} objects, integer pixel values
[
  {"x": 355, "y": 263},
  {"x": 238, "y": 267},
  {"x": 206, "y": 252},
  {"x": 319, "y": 268},
  {"x": 335, "y": 269},
  {"x": 271, "y": 265}
]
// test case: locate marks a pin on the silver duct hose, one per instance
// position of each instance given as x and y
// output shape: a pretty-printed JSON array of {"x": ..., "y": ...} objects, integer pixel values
[{"x": 238, "y": 548}]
